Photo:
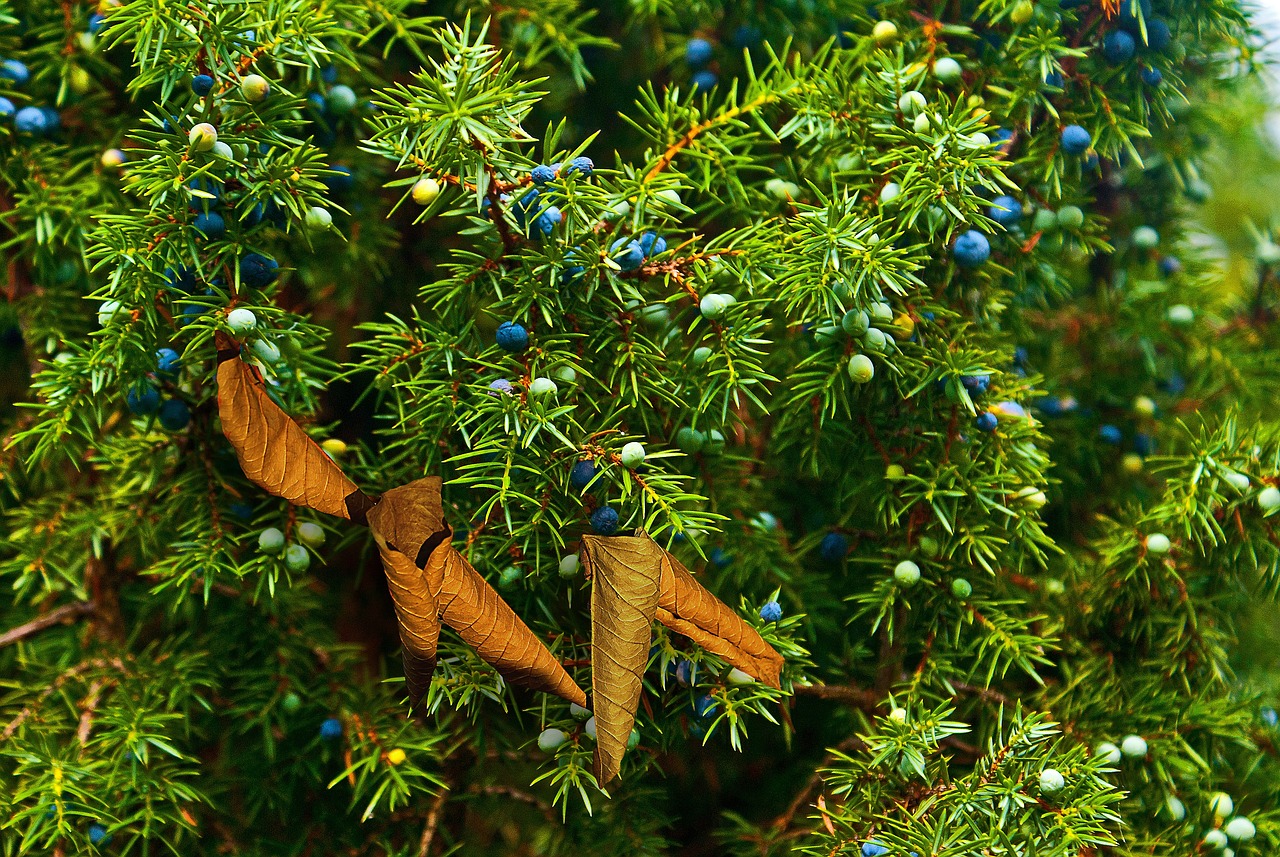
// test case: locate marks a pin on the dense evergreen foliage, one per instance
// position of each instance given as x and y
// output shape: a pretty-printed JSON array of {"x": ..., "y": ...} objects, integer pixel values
[{"x": 889, "y": 319}]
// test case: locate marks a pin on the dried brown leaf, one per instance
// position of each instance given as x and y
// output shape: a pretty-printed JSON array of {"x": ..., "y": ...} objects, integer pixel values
[
  {"x": 273, "y": 450},
  {"x": 686, "y": 607},
  {"x": 408, "y": 522},
  {"x": 625, "y": 572},
  {"x": 486, "y": 623},
  {"x": 411, "y": 518}
]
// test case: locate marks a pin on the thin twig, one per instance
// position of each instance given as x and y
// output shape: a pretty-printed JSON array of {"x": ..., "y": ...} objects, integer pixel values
[
  {"x": 54, "y": 617},
  {"x": 433, "y": 821}
]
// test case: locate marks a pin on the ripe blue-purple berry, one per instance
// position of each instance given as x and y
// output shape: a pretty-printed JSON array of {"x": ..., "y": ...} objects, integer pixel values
[
  {"x": 7, "y": 108},
  {"x": 971, "y": 249},
  {"x": 210, "y": 224},
  {"x": 582, "y": 474},
  {"x": 512, "y": 337},
  {"x": 698, "y": 52},
  {"x": 202, "y": 84},
  {"x": 704, "y": 80},
  {"x": 15, "y": 71},
  {"x": 542, "y": 174},
  {"x": 581, "y": 165},
  {"x": 168, "y": 362},
  {"x": 833, "y": 549},
  {"x": 1005, "y": 210},
  {"x": 1076, "y": 140},
  {"x": 143, "y": 399},
  {"x": 30, "y": 120},
  {"x": 986, "y": 421},
  {"x": 652, "y": 244},
  {"x": 257, "y": 271},
  {"x": 605, "y": 520},
  {"x": 628, "y": 254},
  {"x": 331, "y": 729},
  {"x": 1151, "y": 76},
  {"x": 175, "y": 415},
  {"x": 1159, "y": 36},
  {"x": 1110, "y": 434},
  {"x": 98, "y": 834},
  {"x": 975, "y": 384},
  {"x": 1118, "y": 47},
  {"x": 771, "y": 611}
]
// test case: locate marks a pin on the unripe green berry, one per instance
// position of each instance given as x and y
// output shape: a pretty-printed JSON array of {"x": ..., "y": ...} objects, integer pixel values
[
  {"x": 1022, "y": 12},
  {"x": 311, "y": 534},
  {"x": 254, "y": 87},
  {"x": 265, "y": 350},
  {"x": 569, "y": 566},
  {"x": 551, "y": 739},
  {"x": 690, "y": 440},
  {"x": 1215, "y": 840},
  {"x": 291, "y": 703},
  {"x": 1135, "y": 747},
  {"x": 509, "y": 576},
  {"x": 202, "y": 137},
  {"x": 319, "y": 219},
  {"x": 1145, "y": 238},
  {"x": 961, "y": 588},
  {"x": 701, "y": 355},
  {"x": 425, "y": 191},
  {"x": 1045, "y": 220},
  {"x": 297, "y": 558},
  {"x": 270, "y": 540},
  {"x": 1051, "y": 782},
  {"x": 1180, "y": 314},
  {"x": 906, "y": 573},
  {"x": 1221, "y": 804},
  {"x": 922, "y": 123},
  {"x": 590, "y": 727},
  {"x": 874, "y": 339},
  {"x": 715, "y": 443},
  {"x": 540, "y": 387},
  {"x": 861, "y": 369},
  {"x": 1240, "y": 829},
  {"x": 1158, "y": 543},
  {"x": 912, "y": 103},
  {"x": 738, "y": 678},
  {"x": 1177, "y": 809},
  {"x": 1269, "y": 499},
  {"x": 633, "y": 740},
  {"x": 1070, "y": 217},
  {"x": 1109, "y": 752},
  {"x": 577, "y": 712},
  {"x": 241, "y": 321},
  {"x": 947, "y": 70},
  {"x": 632, "y": 454},
  {"x": 855, "y": 322}
]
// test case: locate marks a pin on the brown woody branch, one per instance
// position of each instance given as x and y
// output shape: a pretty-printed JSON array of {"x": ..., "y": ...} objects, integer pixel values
[{"x": 65, "y": 613}]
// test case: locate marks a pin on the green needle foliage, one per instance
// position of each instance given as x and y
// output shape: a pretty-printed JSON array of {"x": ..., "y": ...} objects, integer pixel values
[{"x": 1011, "y": 509}]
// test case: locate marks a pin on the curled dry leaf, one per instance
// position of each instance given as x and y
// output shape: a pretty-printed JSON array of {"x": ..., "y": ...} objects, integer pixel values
[
  {"x": 273, "y": 450},
  {"x": 634, "y": 582},
  {"x": 686, "y": 607},
  {"x": 625, "y": 571},
  {"x": 428, "y": 579},
  {"x": 410, "y": 521}
]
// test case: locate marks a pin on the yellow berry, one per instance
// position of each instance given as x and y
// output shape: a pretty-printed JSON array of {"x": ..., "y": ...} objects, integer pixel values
[
  {"x": 885, "y": 32},
  {"x": 333, "y": 446},
  {"x": 396, "y": 756}
]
